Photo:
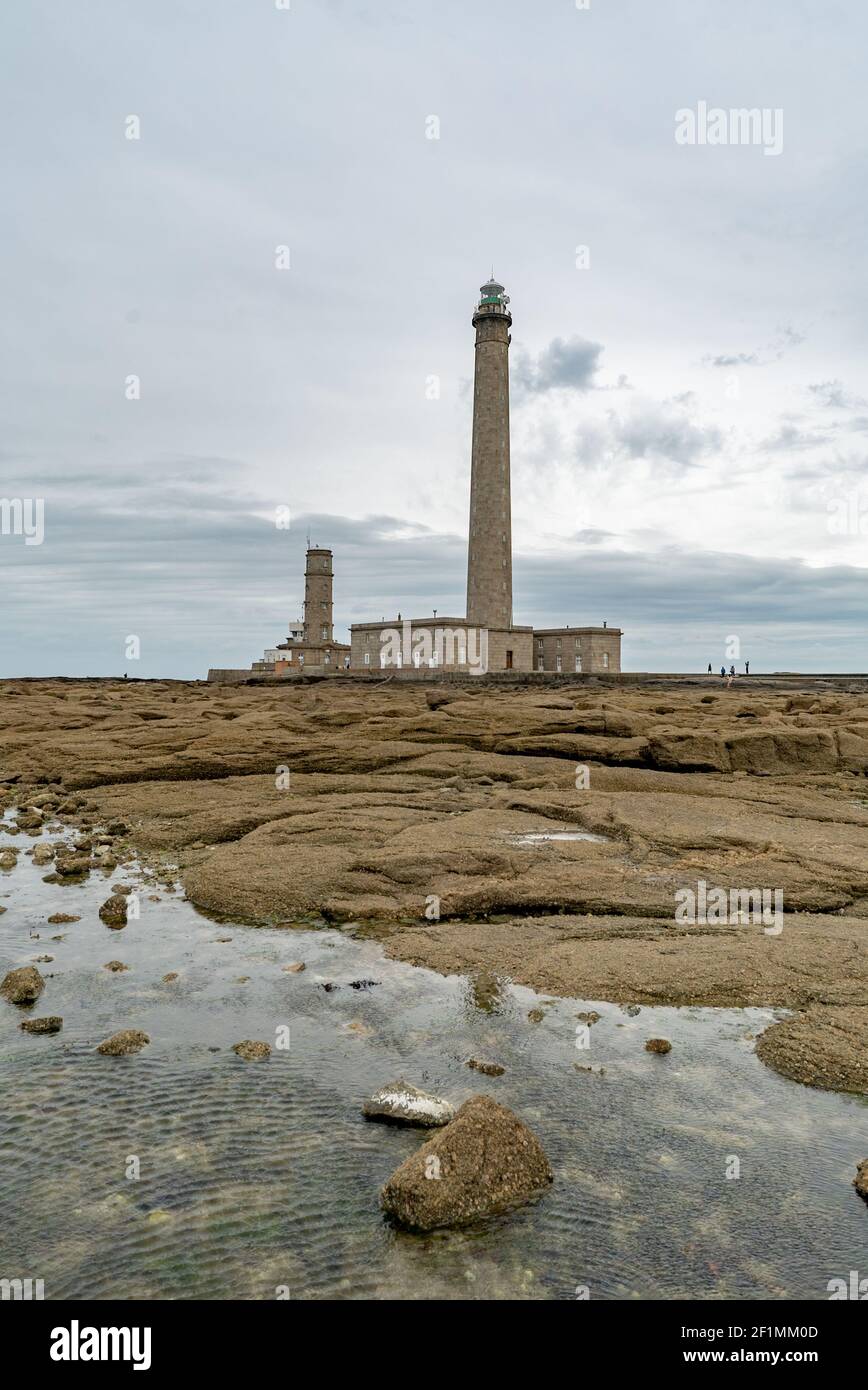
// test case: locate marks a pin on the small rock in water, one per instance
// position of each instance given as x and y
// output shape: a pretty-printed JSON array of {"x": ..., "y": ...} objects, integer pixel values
[
  {"x": 123, "y": 888},
  {"x": 400, "y": 1103},
  {"x": 46, "y": 960},
  {"x": 43, "y": 853},
  {"x": 328, "y": 986},
  {"x": 170, "y": 978},
  {"x": 252, "y": 1051},
  {"x": 631, "y": 1009},
  {"x": 22, "y": 986},
  {"x": 115, "y": 966},
  {"x": 358, "y": 1028},
  {"x": 659, "y": 1045},
  {"x": 363, "y": 984},
  {"x": 589, "y": 1016},
  {"x": 72, "y": 865},
  {"x": 114, "y": 911},
  {"x": 8, "y": 859},
  {"x": 57, "y": 917},
  {"x": 484, "y": 1162},
  {"x": 122, "y": 1044},
  {"x": 536, "y": 1015},
  {"x": 487, "y": 1068},
  {"x": 860, "y": 1182},
  {"x": 294, "y": 968},
  {"x": 52, "y": 1024}
]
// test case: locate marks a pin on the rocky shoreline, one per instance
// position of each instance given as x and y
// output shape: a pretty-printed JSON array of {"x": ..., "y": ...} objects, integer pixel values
[{"x": 456, "y": 825}]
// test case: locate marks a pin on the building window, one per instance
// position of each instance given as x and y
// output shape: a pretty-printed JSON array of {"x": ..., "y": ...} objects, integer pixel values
[
  {"x": 325, "y": 633},
  {"x": 559, "y": 663},
  {"x": 577, "y": 642},
  {"x": 578, "y": 662},
  {"x": 559, "y": 643},
  {"x": 539, "y": 643},
  {"x": 605, "y": 661},
  {"x": 326, "y": 661},
  {"x": 540, "y": 666},
  {"x": 367, "y": 658}
]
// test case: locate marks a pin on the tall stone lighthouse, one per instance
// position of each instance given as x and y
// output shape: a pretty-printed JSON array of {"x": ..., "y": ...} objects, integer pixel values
[{"x": 489, "y": 552}]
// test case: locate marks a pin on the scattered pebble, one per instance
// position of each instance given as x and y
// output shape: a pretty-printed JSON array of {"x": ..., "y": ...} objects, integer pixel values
[{"x": 487, "y": 1068}]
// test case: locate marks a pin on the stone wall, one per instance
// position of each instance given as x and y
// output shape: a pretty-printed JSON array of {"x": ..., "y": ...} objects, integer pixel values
[{"x": 588, "y": 650}]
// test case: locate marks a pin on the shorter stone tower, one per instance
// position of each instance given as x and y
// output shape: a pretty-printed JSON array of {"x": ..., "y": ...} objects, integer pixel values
[{"x": 318, "y": 577}]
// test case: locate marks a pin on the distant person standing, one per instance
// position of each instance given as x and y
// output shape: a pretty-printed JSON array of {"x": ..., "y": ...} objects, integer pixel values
[
  {"x": 722, "y": 671},
  {"x": 732, "y": 670},
  {"x": 747, "y": 668},
  {"x": 709, "y": 668}
]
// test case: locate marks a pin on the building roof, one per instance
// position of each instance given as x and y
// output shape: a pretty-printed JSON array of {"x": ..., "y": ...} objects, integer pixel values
[{"x": 574, "y": 631}]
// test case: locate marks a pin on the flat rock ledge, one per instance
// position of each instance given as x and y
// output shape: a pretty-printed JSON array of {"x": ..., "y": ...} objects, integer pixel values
[
  {"x": 399, "y": 1103},
  {"x": 22, "y": 986},
  {"x": 484, "y": 1162},
  {"x": 122, "y": 1044}
]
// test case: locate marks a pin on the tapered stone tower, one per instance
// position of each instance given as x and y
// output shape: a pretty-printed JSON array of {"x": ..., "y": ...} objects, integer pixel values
[
  {"x": 318, "y": 577},
  {"x": 489, "y": 552}
]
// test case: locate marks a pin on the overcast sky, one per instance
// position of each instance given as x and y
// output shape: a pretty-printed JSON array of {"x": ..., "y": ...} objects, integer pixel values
[{"x": 690, "y": 394}]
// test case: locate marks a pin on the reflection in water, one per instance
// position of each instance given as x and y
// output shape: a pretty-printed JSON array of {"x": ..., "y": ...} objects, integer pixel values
[{"x": 258, "y": 1176}]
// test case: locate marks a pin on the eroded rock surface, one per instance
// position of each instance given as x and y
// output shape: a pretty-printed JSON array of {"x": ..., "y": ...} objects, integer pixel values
[{"x": 430, "y": 822}]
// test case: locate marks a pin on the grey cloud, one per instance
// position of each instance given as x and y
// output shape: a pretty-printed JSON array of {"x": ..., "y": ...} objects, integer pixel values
[
  {"x": 652, "y": 430},
  {"x": 570, "y": 364},
  {"x": 833, "y": 395},
  {"x": 738, "y": 359}
]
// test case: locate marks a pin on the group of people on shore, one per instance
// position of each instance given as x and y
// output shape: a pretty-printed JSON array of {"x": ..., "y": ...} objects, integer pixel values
[{"x": 729, "y": 676}]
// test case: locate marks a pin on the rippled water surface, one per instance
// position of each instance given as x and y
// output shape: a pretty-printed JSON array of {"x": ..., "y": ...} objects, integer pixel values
[{"x": 259, "y": 1176}]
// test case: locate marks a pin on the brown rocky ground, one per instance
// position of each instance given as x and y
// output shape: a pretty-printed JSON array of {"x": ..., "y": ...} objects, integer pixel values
[{"x": 402, "y": 798}]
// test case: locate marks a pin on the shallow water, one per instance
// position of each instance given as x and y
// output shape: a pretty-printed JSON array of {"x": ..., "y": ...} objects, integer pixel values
[
  {"x": 544, "y": 837},
  {"x": 256, "y": 1177}
]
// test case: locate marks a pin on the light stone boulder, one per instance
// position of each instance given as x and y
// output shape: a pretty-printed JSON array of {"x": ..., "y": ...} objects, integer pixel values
[{"x": 399, "y": 1103}]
